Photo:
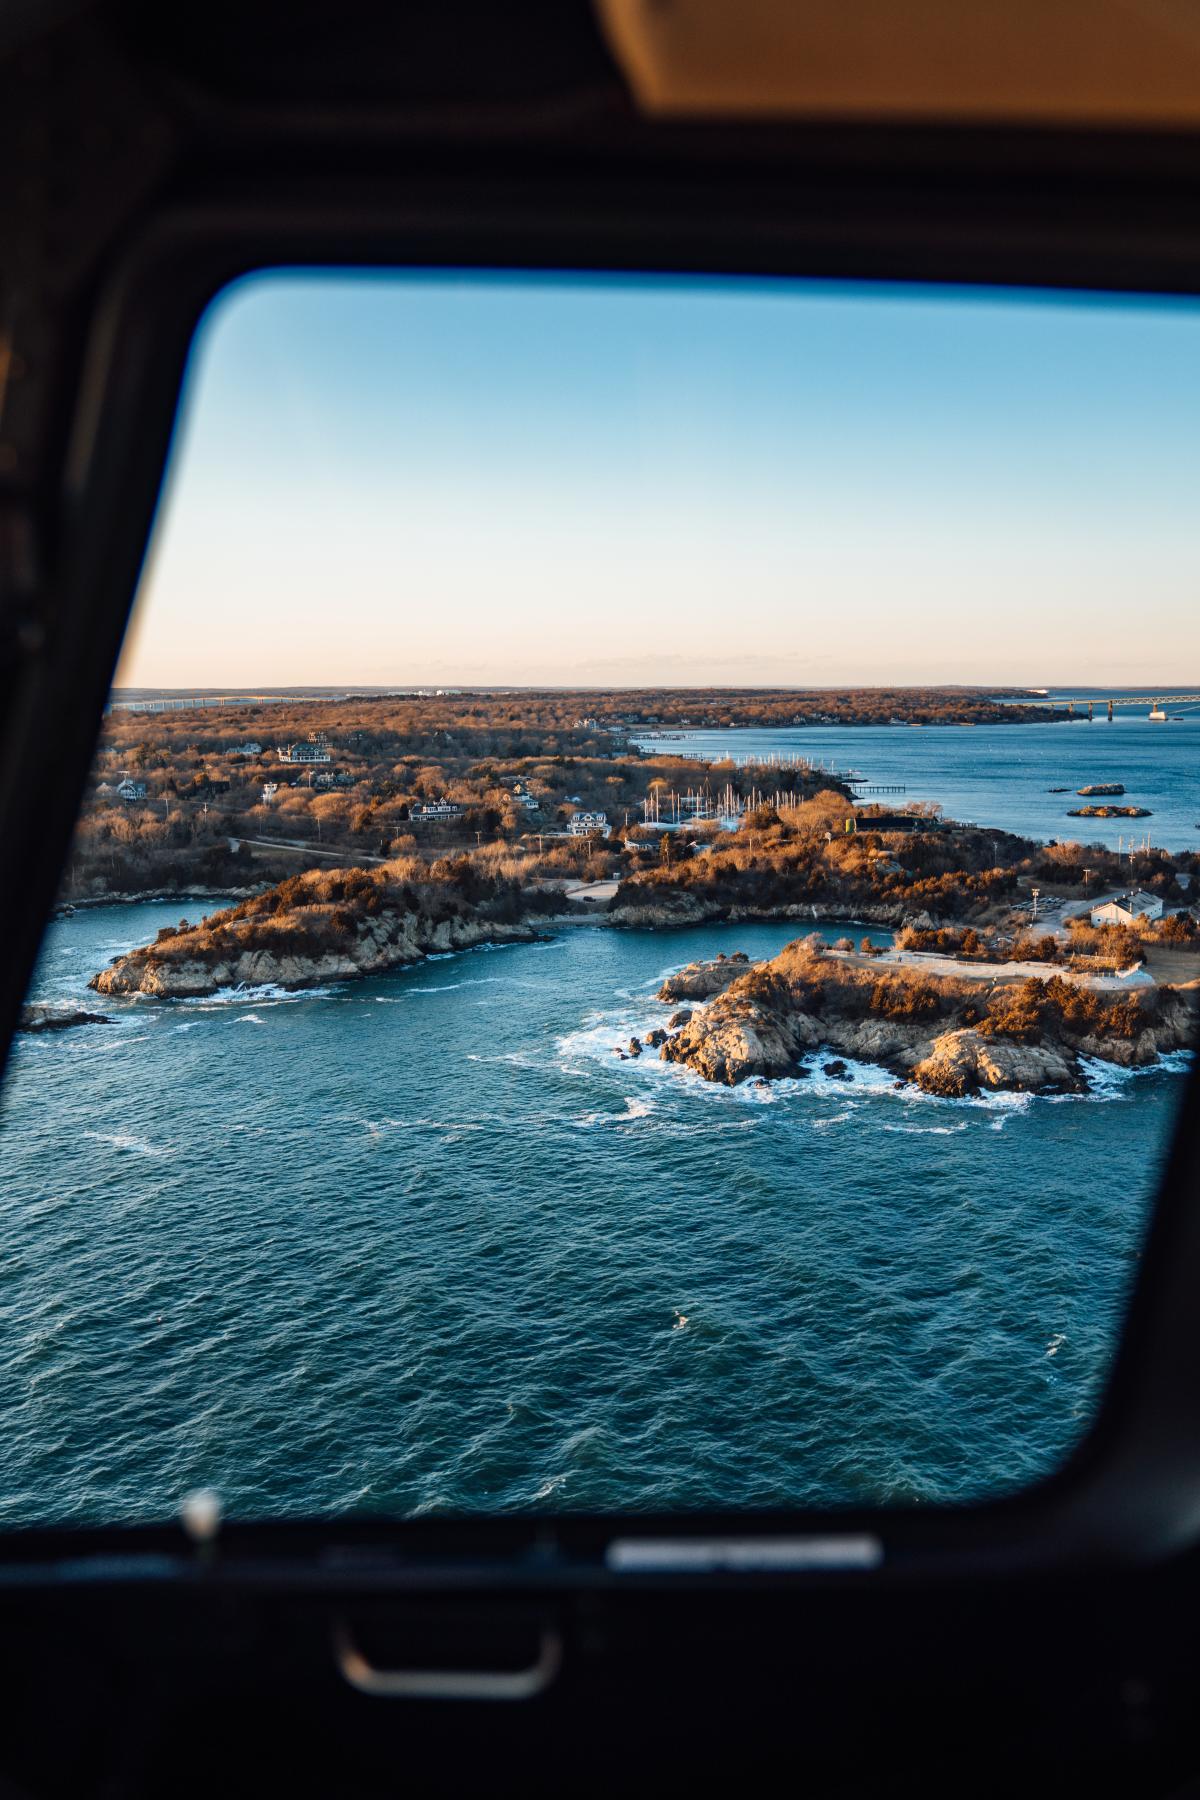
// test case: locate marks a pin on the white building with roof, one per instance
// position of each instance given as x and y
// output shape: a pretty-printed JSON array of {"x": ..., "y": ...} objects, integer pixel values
[
  {"x": 1128, "y": 909},
  {"x": 438, "y": 809},
  {"x": 302, "y": 753},
  {"x": 584, "y": 824}
]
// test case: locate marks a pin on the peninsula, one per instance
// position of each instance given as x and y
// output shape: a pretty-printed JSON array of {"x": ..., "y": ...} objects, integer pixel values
[
  {"x": 951, "y": 1035},
  {"x": 333, "y": 925}
]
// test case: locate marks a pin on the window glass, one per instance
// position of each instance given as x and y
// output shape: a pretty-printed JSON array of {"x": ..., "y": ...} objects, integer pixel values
[{"x": 631, "y": 943}]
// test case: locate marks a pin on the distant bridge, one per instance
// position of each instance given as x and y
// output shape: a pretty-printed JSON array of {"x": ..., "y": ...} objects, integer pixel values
[
  {"x": 1154, "y": 706},
  {"x": 1141, "y": 699}
]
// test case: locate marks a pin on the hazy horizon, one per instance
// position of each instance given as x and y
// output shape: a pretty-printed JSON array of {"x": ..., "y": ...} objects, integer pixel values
[
  {"x": 610, "y": 482},
  {"x": 249, "y": 689}
]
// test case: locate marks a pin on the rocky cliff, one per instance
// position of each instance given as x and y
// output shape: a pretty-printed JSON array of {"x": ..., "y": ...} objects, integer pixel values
[
  {"x": 386, "y": 941},
  {"x": 952, "y": 1037}
]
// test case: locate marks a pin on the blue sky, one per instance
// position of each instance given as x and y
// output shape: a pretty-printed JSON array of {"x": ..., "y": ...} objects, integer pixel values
[{"x": 439, "y": 477}]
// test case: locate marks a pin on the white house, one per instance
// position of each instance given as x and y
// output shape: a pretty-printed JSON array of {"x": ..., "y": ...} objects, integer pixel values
[
  {"x": 583, "y": 824},
  {"x": 131, "y": 790},
  {"x": 302, "y": 753},
  {"x": 437, "y": 809},
  {"x": 248, "y": 749},
  {"x": 270, "y": 789},
  {"x": 1128, "y": 909}
]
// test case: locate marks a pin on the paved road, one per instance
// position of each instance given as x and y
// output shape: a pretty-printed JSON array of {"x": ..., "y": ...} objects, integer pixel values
[{"x": 991, "y": 971}]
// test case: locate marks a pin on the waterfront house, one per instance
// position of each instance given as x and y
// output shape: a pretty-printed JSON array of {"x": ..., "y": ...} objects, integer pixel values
[
  {"x": 128, "y": 790},
  {"x": 1128, "y": 909},
  {"x": 584, "y": 824}
]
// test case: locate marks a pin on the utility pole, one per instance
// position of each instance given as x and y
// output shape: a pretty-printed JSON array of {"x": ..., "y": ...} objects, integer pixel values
[{"x": 1035, "y": 892}]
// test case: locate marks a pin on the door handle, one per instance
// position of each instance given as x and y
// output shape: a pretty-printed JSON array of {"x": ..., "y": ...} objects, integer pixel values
[{"x": 447, "y": 1684}]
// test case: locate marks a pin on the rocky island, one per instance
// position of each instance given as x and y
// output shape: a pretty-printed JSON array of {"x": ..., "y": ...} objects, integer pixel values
[
  {"x": 1108, "y": 812},
  {"x": 333, "y": 926},
  {"x": 37, "y": 1018},
  {"x": 951, "y": 1036}
]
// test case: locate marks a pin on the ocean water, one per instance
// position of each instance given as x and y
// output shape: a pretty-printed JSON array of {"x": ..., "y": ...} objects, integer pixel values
[
  {"x": 1001, "y": 775},
  {"x": 424, "y": 1245}
]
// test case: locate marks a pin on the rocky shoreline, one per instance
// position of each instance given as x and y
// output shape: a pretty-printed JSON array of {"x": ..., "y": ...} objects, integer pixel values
[
  {"x": 762, "y": 1021},
  {"x": 686, "y": 908},
  {"x": 388, "y": 940},
  {"x": 146, "y": 896},
  {"x": 36, "y": 1017}
]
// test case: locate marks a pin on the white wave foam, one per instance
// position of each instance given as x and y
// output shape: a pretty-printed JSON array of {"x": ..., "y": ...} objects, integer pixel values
[
  {"x": 550, "y": 1487},
  {"x": 268, "y": 993},
  {"x": 834, "y": 1119},
  {"x": 866, "y": 1077},
  {"x": 636, "y": 1107},
  {"x": 1109, "y": 1081},
  {"x": 250, "y": 1019},
  {"x": 123, "y": 1140},
  {"x": 928, "y": 1130}
]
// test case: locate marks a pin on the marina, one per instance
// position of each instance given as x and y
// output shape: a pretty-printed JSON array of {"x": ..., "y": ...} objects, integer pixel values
[{"x": 1014, "y": 777}]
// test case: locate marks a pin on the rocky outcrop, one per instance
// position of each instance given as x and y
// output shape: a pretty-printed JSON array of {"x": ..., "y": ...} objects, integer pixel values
[
  {"x": 962, "y": 1062},
  {"x": 50, "y": 1018},
  {"x": 736, "y": 1039},
  {"x": 386, "y": 940},
  {"x": 669, "y": 907},
  {"x": 939, "y": 1033},
  {"x": 681, "y": 906},
  {"x": 701, "y": 980}
]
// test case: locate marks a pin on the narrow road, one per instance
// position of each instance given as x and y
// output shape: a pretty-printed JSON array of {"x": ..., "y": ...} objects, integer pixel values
[
  {"x": 349, "y": 858},
  {"x": 933, "y": 964}
]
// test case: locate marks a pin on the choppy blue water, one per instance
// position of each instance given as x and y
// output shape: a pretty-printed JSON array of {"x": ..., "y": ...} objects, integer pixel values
[
  {"x": 1001, "y": 774},
  {"x": 423, "y": 1244}
]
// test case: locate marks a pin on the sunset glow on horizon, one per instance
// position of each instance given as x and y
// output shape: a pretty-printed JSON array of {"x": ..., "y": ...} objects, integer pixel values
[{"x": 437, "y": 479}]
